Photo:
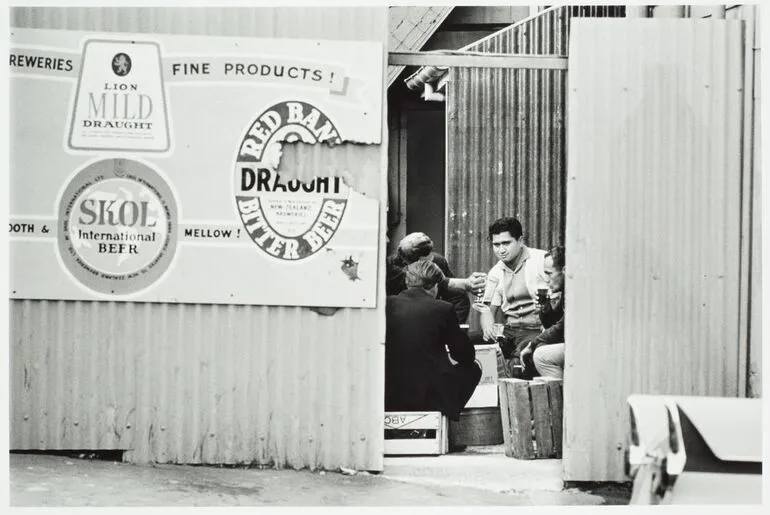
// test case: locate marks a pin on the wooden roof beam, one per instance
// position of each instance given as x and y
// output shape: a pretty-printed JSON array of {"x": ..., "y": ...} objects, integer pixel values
[{"x": 446, "y": 59}]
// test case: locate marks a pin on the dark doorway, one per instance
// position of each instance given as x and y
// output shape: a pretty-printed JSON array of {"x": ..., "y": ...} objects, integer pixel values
[{"x": 425, "y": 184}]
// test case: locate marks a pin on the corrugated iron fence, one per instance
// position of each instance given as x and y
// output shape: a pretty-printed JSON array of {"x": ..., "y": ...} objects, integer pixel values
[
  {"x": 656, "y": 213},
  {"x": 281, "y": 386},
  {"x": 506, "y": 140},
  {"x": 751, "y": 230}
]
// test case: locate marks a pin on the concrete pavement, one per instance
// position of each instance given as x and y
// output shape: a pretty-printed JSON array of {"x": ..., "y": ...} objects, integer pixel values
[{"x": 476, "y": 477}]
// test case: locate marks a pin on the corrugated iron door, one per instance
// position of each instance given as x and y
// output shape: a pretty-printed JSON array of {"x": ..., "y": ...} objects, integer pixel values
[{"x": 653, "y": 224}]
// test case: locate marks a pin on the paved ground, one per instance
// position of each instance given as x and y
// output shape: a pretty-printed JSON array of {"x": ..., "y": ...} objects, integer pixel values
[{"x": 476, "y": 477}]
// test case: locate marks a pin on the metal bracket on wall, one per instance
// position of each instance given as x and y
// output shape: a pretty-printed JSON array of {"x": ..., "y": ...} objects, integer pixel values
[{"x": 477, "y": 60}]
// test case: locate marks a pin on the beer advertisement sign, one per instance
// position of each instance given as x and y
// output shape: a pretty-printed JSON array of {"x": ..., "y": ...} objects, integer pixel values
[
  {"x": 154, "y": 168},
  {"x": 289, "y": 220},
  {"x": 120, "y": 102}
]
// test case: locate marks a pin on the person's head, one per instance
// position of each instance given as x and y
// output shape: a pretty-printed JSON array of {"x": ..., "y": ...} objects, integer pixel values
[
  {"x": 505, "y": 235},
  {"x": 424, "y": 274},
  {"x": 415, "y": 246},
  {"x": 554, "y": 268}
]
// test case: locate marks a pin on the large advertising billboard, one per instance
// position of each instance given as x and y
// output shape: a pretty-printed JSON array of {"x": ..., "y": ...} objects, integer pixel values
[{"x": 151, "y": 168}]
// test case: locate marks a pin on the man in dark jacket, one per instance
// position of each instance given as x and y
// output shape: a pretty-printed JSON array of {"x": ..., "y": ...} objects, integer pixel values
[
  {"x": 418, "y": 246},
  {"x": 548, "y": 347},
  {"x": 418, "y": 373}
]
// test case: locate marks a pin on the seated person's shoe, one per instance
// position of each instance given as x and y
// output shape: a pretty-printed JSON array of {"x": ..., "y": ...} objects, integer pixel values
[{"x": 457, "y": 448}]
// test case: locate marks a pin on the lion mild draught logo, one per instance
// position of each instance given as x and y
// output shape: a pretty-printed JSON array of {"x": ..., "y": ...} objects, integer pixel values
[
  {"x": 120, "y": 102},
  {"x": 288, "y": 220},
  {"x": 117, "y": 226},
  {"x": 121, "y": 64}
]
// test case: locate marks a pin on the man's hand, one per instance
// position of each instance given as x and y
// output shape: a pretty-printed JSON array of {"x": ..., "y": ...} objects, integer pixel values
[
  {"x": 526, "y": 352},
  {"x": 489, "y": 334},
  {"x": 475, "y": 282},
  {"x": 487, "y": 322}
]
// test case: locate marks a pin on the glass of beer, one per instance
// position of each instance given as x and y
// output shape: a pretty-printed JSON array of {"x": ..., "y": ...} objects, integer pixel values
[
  {"x": 499, "y": 330},
  {"x": 542, "y": 296},
  {"x": 484, "y": 299}
]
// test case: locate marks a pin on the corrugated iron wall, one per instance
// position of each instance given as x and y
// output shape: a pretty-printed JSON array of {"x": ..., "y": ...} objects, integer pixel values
[
  {"x": 506, "y": 140},
  {"x": 749, "y": 14},
  {"x": 751, "y": 236},
  {"x": 654, "y": 224},
  {"x": 505, "y": 145},
  {"x": 281, "y": 386}
]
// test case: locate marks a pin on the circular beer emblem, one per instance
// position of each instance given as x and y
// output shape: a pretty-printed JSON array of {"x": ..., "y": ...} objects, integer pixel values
[
  {"x": 287, "y": 219},
  {"x": 121, "y": 64},
  {"x": 118, "y": 224}
]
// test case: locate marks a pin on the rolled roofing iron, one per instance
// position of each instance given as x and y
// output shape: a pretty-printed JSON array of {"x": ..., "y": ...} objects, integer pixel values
[
  {"x": 426, "y": 74},
  {"x": 432, "y": 74}
]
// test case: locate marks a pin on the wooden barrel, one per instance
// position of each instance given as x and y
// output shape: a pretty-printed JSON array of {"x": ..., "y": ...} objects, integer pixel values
[{"x": 477, "y": 426}]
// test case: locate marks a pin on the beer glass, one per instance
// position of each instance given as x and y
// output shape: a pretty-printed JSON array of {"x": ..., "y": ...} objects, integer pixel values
[
  {"x": 478, "y": 296},
  {"x": 484, "y": 299},
  {"x": 499, "y": 330}
]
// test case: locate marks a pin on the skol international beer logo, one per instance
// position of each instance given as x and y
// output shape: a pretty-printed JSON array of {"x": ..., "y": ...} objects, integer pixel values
[
  {"x": 288, "y": 220},
  {"x": 118, "y": 225}
]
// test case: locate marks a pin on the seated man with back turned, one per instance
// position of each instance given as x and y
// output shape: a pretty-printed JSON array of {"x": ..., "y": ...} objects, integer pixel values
[
  {"x": 418, "y": 373},
  {"x": 418, "y": 246}
]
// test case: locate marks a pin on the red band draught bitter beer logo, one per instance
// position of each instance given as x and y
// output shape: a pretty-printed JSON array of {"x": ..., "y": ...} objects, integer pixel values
[{"x": 289, "y": 220}]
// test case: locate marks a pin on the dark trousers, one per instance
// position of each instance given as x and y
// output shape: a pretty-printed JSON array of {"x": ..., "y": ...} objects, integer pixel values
[
  {"x": 461, "y": 382},
  {"x": 513, "y": 342}
]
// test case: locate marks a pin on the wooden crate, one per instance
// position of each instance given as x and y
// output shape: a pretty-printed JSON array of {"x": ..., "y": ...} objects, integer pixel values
[
  {"x": 531, "y": 413},
  {"x": 416, "y": 433},
  {"x": 477, "y": 426}
]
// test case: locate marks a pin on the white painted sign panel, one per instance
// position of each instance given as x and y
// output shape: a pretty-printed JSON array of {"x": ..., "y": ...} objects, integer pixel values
[{"x": 149, "y": 168}]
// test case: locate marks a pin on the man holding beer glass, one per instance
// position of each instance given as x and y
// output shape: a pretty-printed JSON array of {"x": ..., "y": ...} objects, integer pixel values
[
  {"x": 512, "y": 286},
  {"x": 418, "y": 246},
  {"x": 547, "y": 348}
]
